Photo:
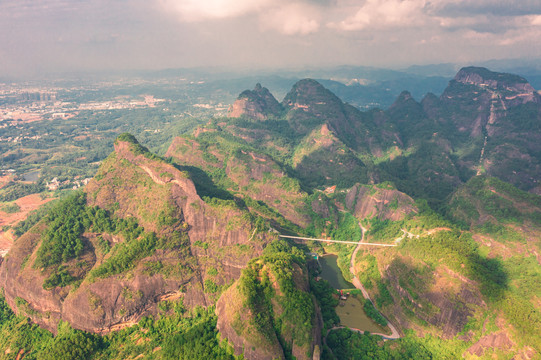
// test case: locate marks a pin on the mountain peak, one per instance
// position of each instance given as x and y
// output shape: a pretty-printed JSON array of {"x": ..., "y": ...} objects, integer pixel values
[
  {"x": 126, "y": 137},
  {"x": 310, "y": 104},
  {"x": 128, "y": 142},
  {"x": 306, "y": 92},
  {"x": 404, "y": 97},
  {"x": 483, "y": 77},
  {"x": 257, "y": 104}
]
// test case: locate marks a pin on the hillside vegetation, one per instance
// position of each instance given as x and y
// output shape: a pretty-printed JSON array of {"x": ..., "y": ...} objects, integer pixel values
[{"x": 180, "y": 256}]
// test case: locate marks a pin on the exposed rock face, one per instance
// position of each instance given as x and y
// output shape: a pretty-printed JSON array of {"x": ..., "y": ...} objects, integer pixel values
[
  {"x": 331, "y": 132},
  {"x": 97, "y": 306},
  {"x": 204, "y": 222},
  {"x": 134, "y": 184},
  {"x": 487, "y": 96},
  {"x": 442, "y": 298},
  {"x": 250, "y": 342},
  {"x": 369, "y": 201},
  {"x": 484, "y": 121},
  {"x": 310, "y": 105},
  {"x": 499, "y": 340},
  {"x": 308, "y": 93},
  {"x": 262, "y": 287},
  {"x": 405, "y": 109},
  {"x": 487, "y": 202},
  {"x": 430, "y": 103},
  {"x": 411, "y": 119},
  {"x": 499, "y": 114},
  {"x": 322, "y": 158},
  {"x": 451, "y": 296},
  {"x": 257, "y": 104},
  {"x": 256, "y": 174},
  {"x": 497, "y": 81},
  {"x": 29, "y": 286}
]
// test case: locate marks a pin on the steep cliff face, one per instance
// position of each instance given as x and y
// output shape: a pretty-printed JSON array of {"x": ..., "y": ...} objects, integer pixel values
[
  {"x": 323, "y": 159},
  {"x": 257, "y": 104},
  {"x": 504, "y": 218},
  {"x": 378, "y": 201},
  {"x": 411, "y": 121},
  {"x": 309, "y": 105},
  {"x": 162, "y": 184},
  {"x": 111, "y": 289},
  {"x": 442, "y": 299},
  {"x": 269, "y": 302},
  {"x": 483, "y": 77},
  {"x": 479, "y": 98},
  {"x": 248, "y": 173},
  {"x": 94, "y": 303},
  {"x": 501, "y": 115}
]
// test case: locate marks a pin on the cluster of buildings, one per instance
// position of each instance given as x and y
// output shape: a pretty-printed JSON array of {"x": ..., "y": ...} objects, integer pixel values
[
  {"x": 19, "y": 104},
  {"x": 28, "y": 105},
  {"x": 121, "y": 102},
  {"x": 55, "y": 184}
]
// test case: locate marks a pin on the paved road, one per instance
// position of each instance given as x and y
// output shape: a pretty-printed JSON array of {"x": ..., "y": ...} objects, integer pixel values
[{"x": 394, "y": 333}]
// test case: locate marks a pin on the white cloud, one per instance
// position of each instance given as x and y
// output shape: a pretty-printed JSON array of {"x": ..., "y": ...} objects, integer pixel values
[
  {"x": 169, "y": 33},
  {"x": 525, "y": 37},
  {"x": 286, "y": 17},
  {"x": 476, "y": 36},
  {"x": 378, "y": 14},
  {"x": 200, "y": 10},
  {"x": 459, "y": 22},
  {"x": 302, "y": 17},
  {"x": 291, "y": 19},
  {"x": 535, "y": 20}
]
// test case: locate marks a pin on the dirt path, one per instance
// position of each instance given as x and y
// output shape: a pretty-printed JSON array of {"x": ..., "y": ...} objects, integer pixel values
[
  {"x": 394, "y": 333},
  {"x": 435, "y": 230},
  {"x": 388, "y": 337}
]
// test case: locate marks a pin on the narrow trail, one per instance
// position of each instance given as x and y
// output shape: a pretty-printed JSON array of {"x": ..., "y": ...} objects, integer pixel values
[{"x": 394, "y": 333}]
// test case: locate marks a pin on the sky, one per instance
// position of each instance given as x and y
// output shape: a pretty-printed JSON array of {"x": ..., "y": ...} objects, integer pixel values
[{"x": 44, "y": 36}]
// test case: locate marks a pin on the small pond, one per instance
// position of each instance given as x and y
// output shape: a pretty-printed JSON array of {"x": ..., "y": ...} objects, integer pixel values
[
  {"x": 352, "y": 315},
  {"x": 331, "y": 272},
  {"x": 350, "y": 311},
  {"x": 31, "y": 176}
]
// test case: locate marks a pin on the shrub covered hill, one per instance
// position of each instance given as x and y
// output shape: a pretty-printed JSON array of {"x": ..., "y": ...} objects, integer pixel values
[{"x": 179, "y": 257}]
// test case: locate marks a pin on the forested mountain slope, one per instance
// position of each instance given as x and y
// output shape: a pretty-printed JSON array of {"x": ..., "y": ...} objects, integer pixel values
[{"x": 445, "y": 180}]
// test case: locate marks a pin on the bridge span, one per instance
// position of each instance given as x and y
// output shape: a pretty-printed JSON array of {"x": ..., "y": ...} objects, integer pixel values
[{"x": 336, "y": 241}]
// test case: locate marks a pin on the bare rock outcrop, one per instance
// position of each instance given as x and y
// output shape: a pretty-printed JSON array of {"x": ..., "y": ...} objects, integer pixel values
[
  {"x": 381, "y": 201},
  {"x": 256, "y": 174},
  {"x": 499, "y": 81},
  {"x": 257, "y": 104},
  {"x": 134, "y": 183},
  {"x": 266, "y": 304}
]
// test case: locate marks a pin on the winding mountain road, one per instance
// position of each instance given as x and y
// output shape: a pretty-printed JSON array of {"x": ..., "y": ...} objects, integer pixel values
[{"x": 394, "y": 333}]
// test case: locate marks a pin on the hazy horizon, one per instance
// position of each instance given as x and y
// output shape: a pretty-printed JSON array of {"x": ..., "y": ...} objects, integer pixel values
[{"x": 62, "y": 36}]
